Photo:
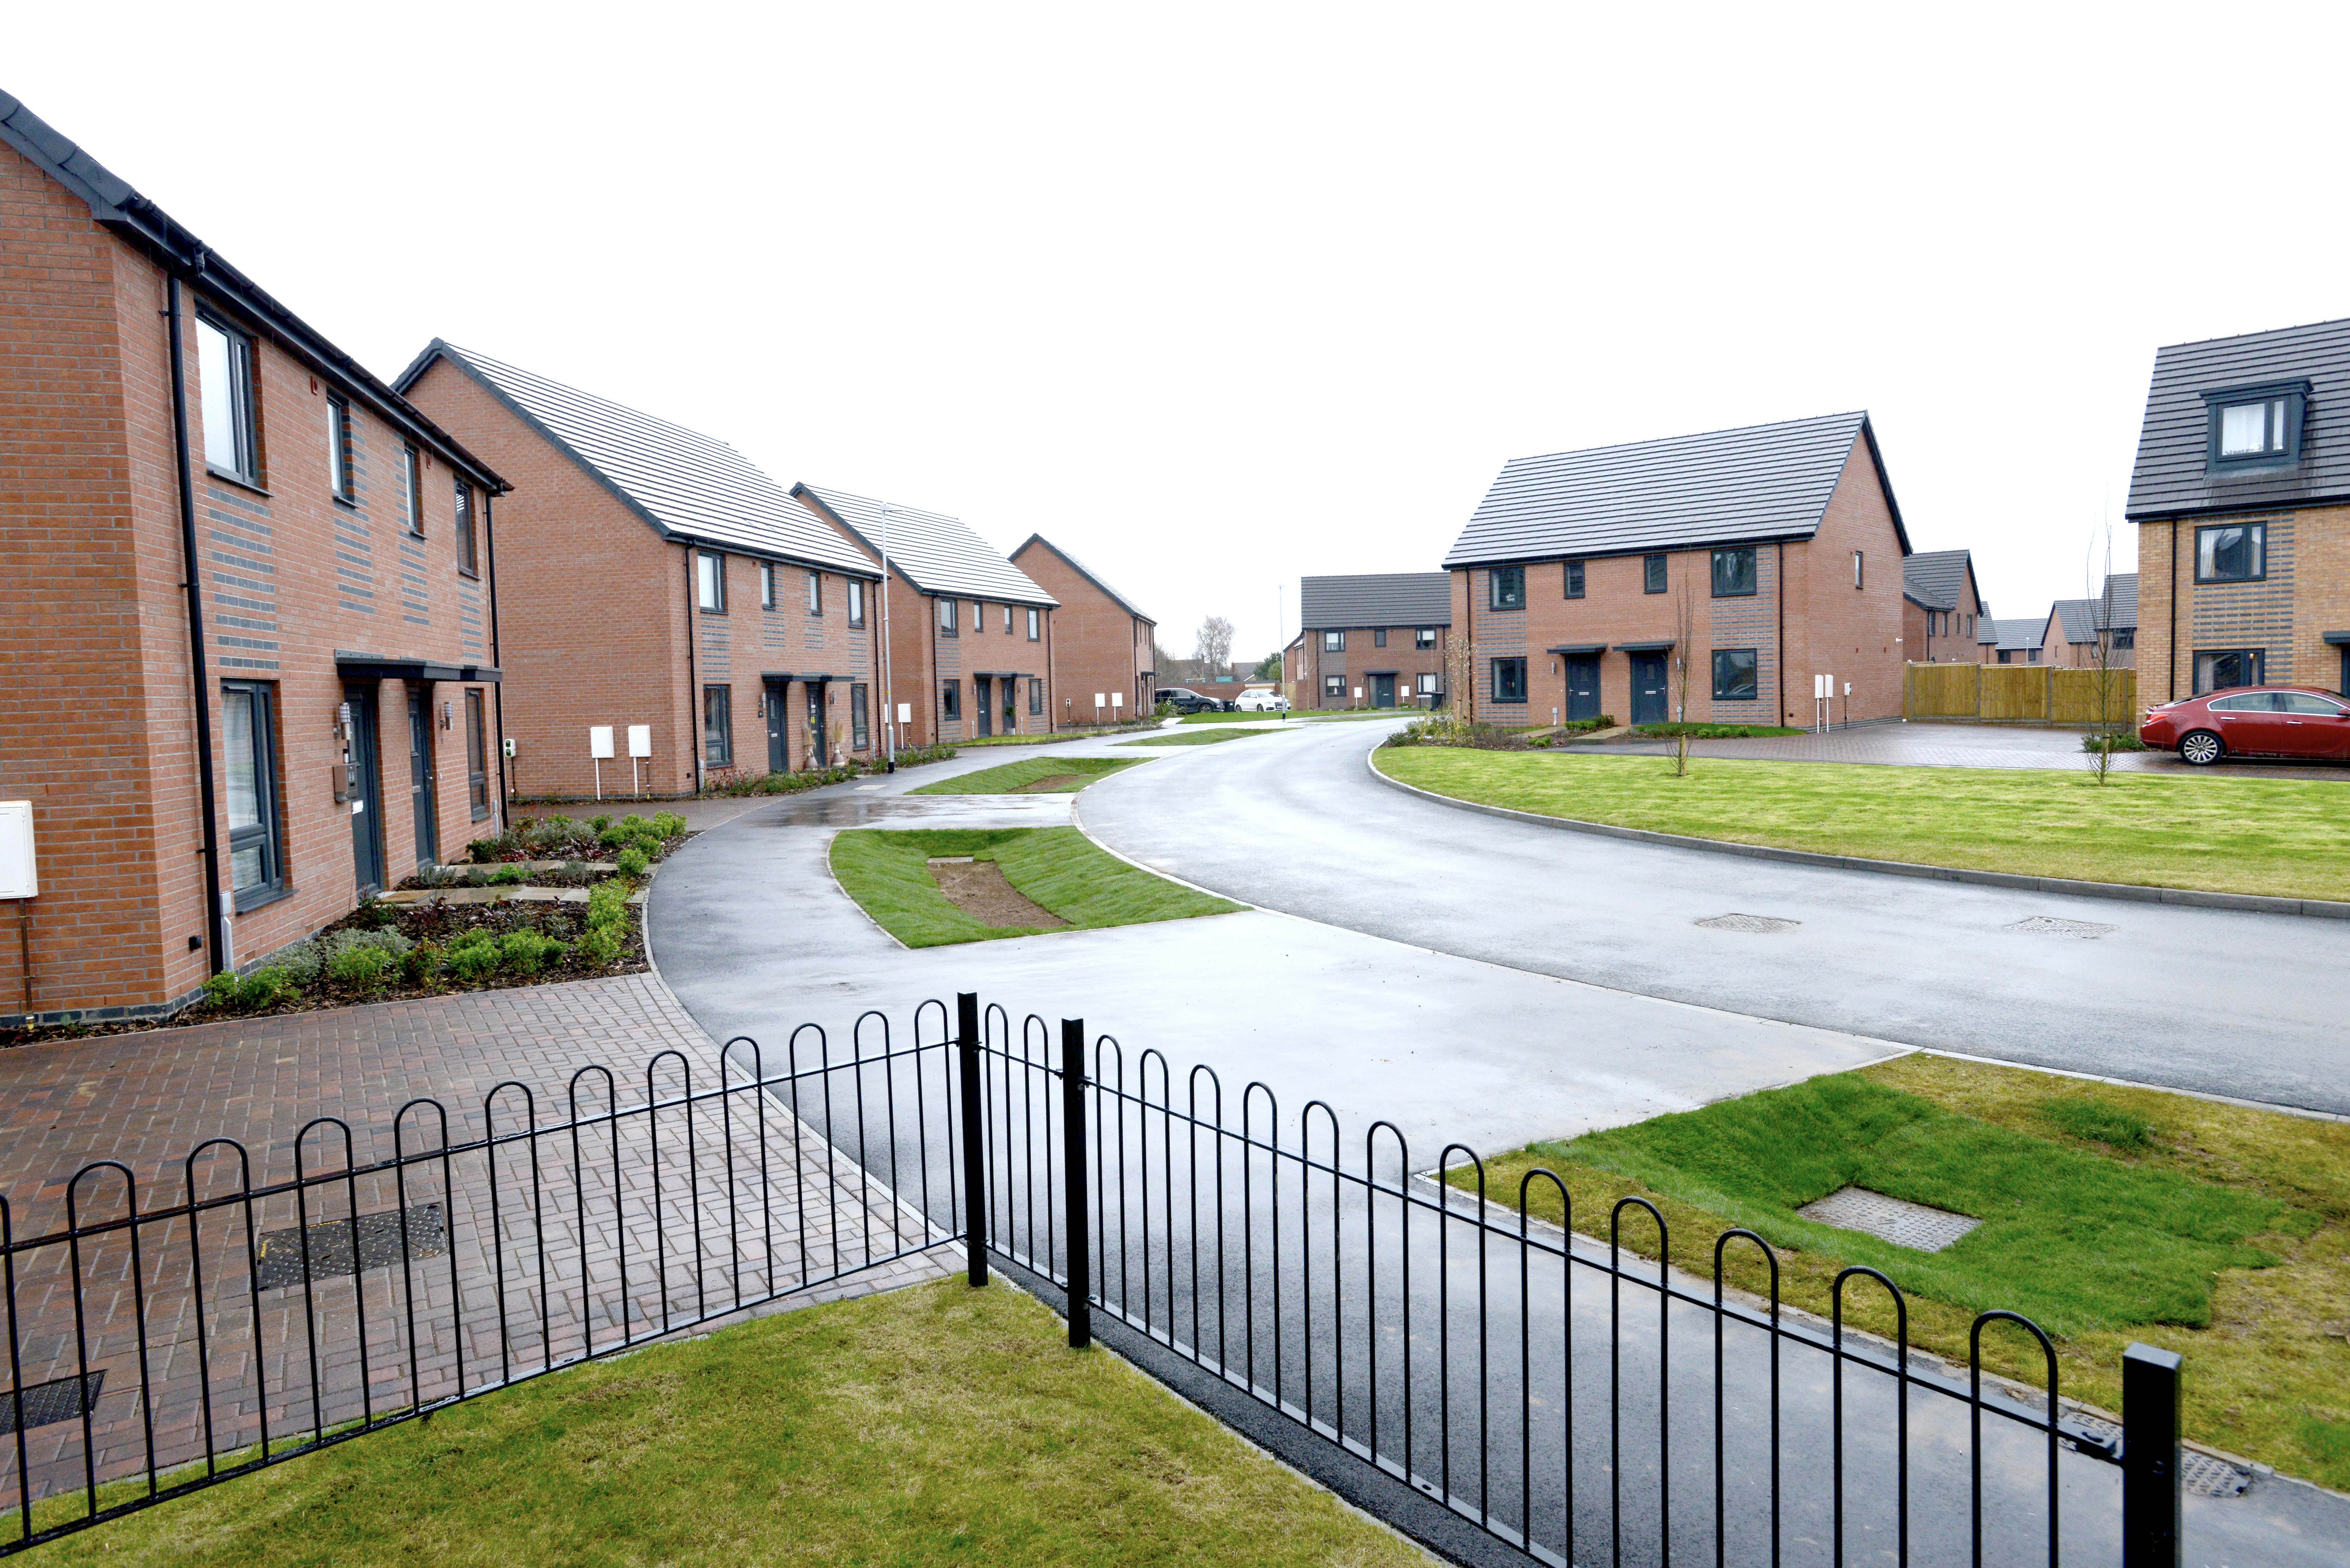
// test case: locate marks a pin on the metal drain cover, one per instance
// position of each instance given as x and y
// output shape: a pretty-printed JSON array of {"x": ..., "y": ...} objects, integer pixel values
[
  {"x": 2050, "y": 926},
  {"x": 1894, "y": 1219},
  {"x": 2205, "y": 1475},
  {"x": 1748, "y": 923}
]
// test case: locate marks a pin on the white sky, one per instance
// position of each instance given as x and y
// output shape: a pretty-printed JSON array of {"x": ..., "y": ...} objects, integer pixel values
[{"x": 1216, "y": 296}]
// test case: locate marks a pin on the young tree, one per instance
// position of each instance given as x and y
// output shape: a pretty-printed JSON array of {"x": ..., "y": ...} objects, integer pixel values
[
  {"x": 2102, "y": 730},
  {"x": 1684, "y": 657},
  {"x": 1215, "y": 650}
]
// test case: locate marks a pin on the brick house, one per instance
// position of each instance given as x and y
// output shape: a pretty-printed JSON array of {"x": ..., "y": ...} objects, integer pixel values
[
  {"x": 2075, "y": 628},
  {"x": 970, "y": 635},
  {"x": 250, "y": 618},
  {"x": 2241, "y": 498},
  {"x": 1763, "y": 556},
  {"x": 2017, "y": 642},
  {"x": 1102, "y": 642},
  {"x": 1371, "y": 640},
  {"x": 655, "y": 580},
  {"x": 1943, "y": 609}
]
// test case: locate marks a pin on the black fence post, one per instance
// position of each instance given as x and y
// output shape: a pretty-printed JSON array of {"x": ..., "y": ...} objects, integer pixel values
[
  {"x": 1073, "y": 1174},
  {"x": 2149, "y": 1457},
  {"x": 975, "y": 1139}
]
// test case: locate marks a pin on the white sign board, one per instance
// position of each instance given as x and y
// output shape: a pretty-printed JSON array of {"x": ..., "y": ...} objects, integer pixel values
[
  {"x": 1819, "y": 687},
  {"x": 905, "y": 712},
  {"x": 1100, "y": 700},
  {"x": 599, "y": 741},
  {"x": 18, "y": 876},
  {"x": 1116, "y": 700},
  {"x": 640, "y": 740}
]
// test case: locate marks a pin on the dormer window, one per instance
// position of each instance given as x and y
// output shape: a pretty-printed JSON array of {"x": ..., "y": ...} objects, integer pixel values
[{"x": 2257, "y": 426}]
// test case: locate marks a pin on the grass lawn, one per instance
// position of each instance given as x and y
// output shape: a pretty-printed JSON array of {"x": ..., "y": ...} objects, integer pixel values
[
  {"x": 1226, "y": 718},
  {"x": 887, "y": 873},
  {"x": 2285, "y": 836},
  {"x": 1051, "y": 740},
  {"x": 1196, "y": 738},
  {"x": 1009, "y": 778},
  {"x": 936, "y": 1424},
  {"x": 1311, "y": 717},
  {"x": 2109, "y": 1214}
]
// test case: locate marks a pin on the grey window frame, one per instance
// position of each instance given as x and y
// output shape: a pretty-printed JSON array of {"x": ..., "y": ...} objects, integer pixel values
[
  {"x": 718, "y": 738},
  {"x": 948, "y": 611},
  {"x": 1334, "y": 641},
  {"x": 951, "y": 701},
  {"x": 860, "y": 716},
  {"x": 1036, "y": 624},
  {"x": 413, "y": 460},
  {"x": 1655, "y": 574},
  {"x": 766, "y": 585},
  {"x": 1859, "y": 569},
  {"x": 1574, "y": 576},
  {"x": 267, "y": 833},
  {"x": 1425, "y": 637},
  {"x": 2293, "y": 394},
  {"x": 341, "y": 482},
  {"x": 243, "y": 402},
  {"x": 1753, "y": 692},
  {"x": 1334, "y": 686},
  {"x": 710, "y": 585},
  {"x": 816, "y": 594},
  {"x": 469, "y": 560},
  {"x": 855, "y": 592},
  {"x": 477, "y": 754},
  {"x": 2196, "y": 666},
  {"x": 1426, "y": 683},
  {"x": 1733, "y": 555},
  {"x": 2124, "y": 638},
  {"x": 1378, "y": 637},
  {"x": 1035, "y": 695},
  {"x": 2260, "y": 530},
  {"x": 1519, "y": 661},
  {"x": 1505, "y": 588},
  {"x": 1007, "y": 620}
]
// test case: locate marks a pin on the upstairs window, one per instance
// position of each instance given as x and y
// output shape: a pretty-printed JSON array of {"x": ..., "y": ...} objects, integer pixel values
[
  {"x": 855, "y": 591},
  {"x": 1574, "y": 579},
  {"x": 1509, "y": 588},
  {"x": 1859, "y": 565},
  {"x": 2257, "y": 425},
  {"x": 412, "y": 470},
  {"x": 1007, "y": 620},
  {"x": 2231, "y": 553},
  {"x": 1652, "y": 574},
  {"x": 1424, "y": 638},
  {"x": 709, "y": 581},
  {"x": 338, "y": 450},
  {"x": 816, "y": 592},
  {"x": 1334, "y": 642},
  {"x": 1035, "y": 625},
  {"x": 766, "y": 585},
  {"x": 947, "y": 617},
  {"x": 232, "y": 434},
  {"x": 1733, "y": 572},
  {"x": 1378, "y": 637},
  {"x": 467, "y": 560}
]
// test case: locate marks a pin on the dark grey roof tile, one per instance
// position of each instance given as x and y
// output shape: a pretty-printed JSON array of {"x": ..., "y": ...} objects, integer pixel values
[
  {"x": 1375, "y": 598},
  {"x": 938, "y": 554},
  {"x": 1936, "y": 578},
  {"x": 2171, "y": 475}
]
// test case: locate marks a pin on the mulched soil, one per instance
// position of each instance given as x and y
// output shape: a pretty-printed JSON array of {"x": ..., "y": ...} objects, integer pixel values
[{"x": 978, "y": 888}]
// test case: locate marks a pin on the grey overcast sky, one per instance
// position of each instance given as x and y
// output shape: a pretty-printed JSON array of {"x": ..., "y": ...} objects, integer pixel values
[{"x": 1216, "y": 294}]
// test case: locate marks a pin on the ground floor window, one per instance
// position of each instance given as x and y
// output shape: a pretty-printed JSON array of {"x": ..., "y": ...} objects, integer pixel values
[
  {"x": 1035, "y": 695},
  {"x": 950, "y": 700},
  {"x": 1733, "y": 674},
  {"x": 859, "y": 713},
  {"x": 1428, "y": 684},
  {"x": 254, "y": 843},
  {"x": 1509, "y": 680},
  {"x": 2218, "y": 669},
  {"x": 477, "y": 754},
  {"x": 1334, "y": 686},
  {"x": 718, "y": 726}
]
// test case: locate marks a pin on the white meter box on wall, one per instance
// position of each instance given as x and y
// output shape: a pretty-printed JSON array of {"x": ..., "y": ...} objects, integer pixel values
[{"x": 19, "y": 878}]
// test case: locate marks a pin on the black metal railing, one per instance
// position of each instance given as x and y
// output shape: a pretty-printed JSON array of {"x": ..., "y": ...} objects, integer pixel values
[{"x": 1393, "y": 1313}]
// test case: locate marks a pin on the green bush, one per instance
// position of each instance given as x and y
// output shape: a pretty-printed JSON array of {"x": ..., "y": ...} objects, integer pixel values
[
  {"x": 598, "y": 948},
  {"x": 473, "y": 961},
  {"x": 2123, "y": 742},
  {"x": 612, "y": 833},
  {"x": 607, "y": 906},
  {"x": 525, "y": 952},
  {"x": 393, "y": 944},
  {"x": 264, "y": 987},
  {"x": 633, "y": 862},
  {"x": 421, "y": 963},
  {"x": 359, "y": 969},
  {"x": 668, "y": 823},
  {"x": 600, "y": 822},
  {"x": 507, "y": 877},
  {"x": 301, "y": 963}
]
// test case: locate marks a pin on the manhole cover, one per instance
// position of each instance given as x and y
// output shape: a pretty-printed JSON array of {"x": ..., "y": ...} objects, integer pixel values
[
  {"x": 2050, "y": 926},
  {"x": 1748, "y": 923},
  {"x": 47, "y": 1404},
  {"x": 2205, "y": 1475},
  {"x": 280, "y": 1252},
  {"x": 1894, "y": 1219}
]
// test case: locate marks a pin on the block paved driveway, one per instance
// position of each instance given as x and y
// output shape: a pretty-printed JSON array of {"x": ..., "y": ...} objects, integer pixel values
[{"x": 517, "y": 1249}]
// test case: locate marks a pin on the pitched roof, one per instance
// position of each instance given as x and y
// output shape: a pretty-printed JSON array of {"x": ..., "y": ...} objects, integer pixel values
[
  {"x": 1375, "y": 598},
  {"x": 2017, "y": 634},
  {"x": 939, "y": 554},
  {"x": 1936, "y": 578},
  {"x": 2076, "y": 617},
  {"x": 2121, "y": 601},
  {"x": 115, "y": 205},
  {"x": 1763, "y": 482},
  {"x": 1079, "y": 567},
  {"x": 2172, "y": 474},
  {"x": 685, "y": 485}
]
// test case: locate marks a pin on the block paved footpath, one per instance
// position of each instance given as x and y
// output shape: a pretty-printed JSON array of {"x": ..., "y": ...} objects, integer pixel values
[{"x": 527, "y": 1251}]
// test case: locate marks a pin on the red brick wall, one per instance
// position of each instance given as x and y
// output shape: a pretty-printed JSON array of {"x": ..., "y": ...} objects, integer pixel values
[
  {"x": 1352, "y": 665},
  {"x": 1924, "y": 641},
  {"x": 1099, "y": 646}
]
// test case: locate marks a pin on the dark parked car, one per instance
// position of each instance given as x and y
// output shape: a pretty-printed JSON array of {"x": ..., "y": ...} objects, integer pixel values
[
  {"x": 2251, "y": 721},
  {"x": 1187, "y": 701}
]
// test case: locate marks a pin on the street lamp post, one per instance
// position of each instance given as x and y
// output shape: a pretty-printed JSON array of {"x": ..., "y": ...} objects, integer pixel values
[{"x": 888, "y": 687}]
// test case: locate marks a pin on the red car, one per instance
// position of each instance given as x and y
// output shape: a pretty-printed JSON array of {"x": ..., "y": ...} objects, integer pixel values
[{"x": 2251, "y": 721}]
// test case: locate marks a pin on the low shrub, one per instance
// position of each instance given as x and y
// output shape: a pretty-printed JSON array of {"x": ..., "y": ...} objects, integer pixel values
[
  {"x": 634, "y": 862},
  {"x": 392, "y": 944},
  {"x": 264, "y": 987},
  {"x": 600, "y": 822},
  {"x": 473, "y": 961},
  {"x": 612, "y": 833},
  {"x": 423, "y": 962},
  {"x": 506, "y": 876},
  {"x": 598, "y": 948},
  {"x": 2123, "y": 742},
  {"x": 526, "y": 952},
  {"x": 301, "y": 963},
  {"x": 1445, "y": 729},
  {"x": 668, "y": 823},
  {"x": 607, "y": 907},
  {"x": 360, "y": 967},
  {"x": 1702, "y": 732}
]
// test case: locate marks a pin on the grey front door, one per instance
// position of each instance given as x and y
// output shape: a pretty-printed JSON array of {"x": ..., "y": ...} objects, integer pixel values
[
  {"x": 819, "y": 756},
  {"x": 979, "y": 697},
  {"x": 1582, "y": 686},
  {"x": 1649, "y": 704},
  {"x": 367, "y": 795},
  {"x": 778, "y": 750},
  {"x": 419, "y": 776},
  {"x": 1382, "y": 691}
]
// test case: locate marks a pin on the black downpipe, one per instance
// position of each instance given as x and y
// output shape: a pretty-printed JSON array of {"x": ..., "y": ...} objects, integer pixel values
[
  {"x": 215, "y": 919},
  {"x": 692, "y": 691},
  {"x": 497, "y": 692}
]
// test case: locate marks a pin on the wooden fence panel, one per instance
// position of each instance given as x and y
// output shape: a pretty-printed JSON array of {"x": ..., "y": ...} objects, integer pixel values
[
  {"x": 1942, "y": 691},
  {"x": 2015, "y": 691},
  {"x": 2073, "y": 696}
]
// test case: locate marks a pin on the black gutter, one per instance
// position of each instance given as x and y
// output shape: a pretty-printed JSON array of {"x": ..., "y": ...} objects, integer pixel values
[
  {"x": 215, "y": 919},
  {"x": 498, "y": 697}
]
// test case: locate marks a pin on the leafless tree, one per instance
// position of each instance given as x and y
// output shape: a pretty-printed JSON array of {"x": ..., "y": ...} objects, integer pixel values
[
  {"x": 1215, "y": 639},
  {"x": 1684, "y": 657},
  {"x": 2102, "y": 732}
]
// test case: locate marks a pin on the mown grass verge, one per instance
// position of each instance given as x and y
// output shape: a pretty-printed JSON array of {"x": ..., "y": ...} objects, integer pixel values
[
  {"x": 2109, "y": 1215},
  {"x": 887, "y": 872},
  {"x": 2283, "y": 836},
  {"x": 1197, "y": 738},
  {"x": 1009, "y": 778},
  {"x": 939, "y": 1425}
]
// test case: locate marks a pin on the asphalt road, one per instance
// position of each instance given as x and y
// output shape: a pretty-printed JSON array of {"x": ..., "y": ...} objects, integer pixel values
[{"x": 2214, "y": 1000}]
